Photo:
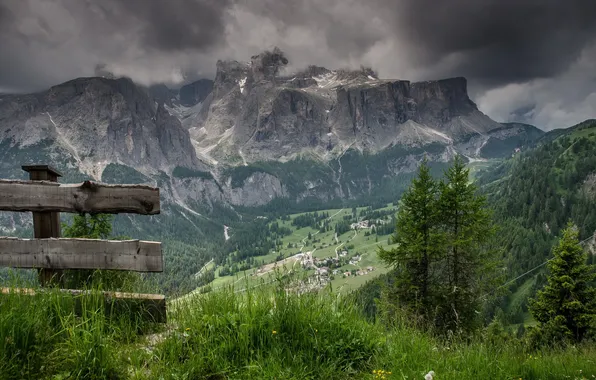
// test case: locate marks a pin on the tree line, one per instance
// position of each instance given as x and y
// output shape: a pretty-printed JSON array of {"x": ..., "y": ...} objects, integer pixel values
[{"x": 446, "y": 264}]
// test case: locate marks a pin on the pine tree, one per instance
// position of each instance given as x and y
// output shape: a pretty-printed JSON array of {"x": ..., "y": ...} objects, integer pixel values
[
  {"x": 566, "y": 307},
  {"x": 468, "y": 261},
  {"x": 97, "y": 226},
  {"x": 417, "y": 245}
]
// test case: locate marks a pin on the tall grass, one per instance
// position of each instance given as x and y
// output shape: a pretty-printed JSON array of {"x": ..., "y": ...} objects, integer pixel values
[
  {"x": 54, "y": 335},
  {"x": 262, "y": 333},
  {"x": 259, "y": 334}
]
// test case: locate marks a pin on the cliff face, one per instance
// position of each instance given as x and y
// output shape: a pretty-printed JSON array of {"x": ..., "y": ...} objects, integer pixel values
[
  {"x": 196, "y": 92},
  {"x": 99, "y": 121},
  {"x": 252, "y": 114},
  {"x": 113, "y": 130}
]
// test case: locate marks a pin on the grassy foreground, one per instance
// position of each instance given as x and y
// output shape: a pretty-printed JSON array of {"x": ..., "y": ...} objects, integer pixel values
[{"x": 261, "y": 334}]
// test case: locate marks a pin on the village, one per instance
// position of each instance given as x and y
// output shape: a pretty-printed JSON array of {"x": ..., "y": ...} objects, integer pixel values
[{"x": 326, "y": 269}]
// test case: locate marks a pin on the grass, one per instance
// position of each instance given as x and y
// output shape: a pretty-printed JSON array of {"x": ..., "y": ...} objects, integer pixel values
[
  {"x": 266, "y": 333},
  {"x": 325, "y": 247}
]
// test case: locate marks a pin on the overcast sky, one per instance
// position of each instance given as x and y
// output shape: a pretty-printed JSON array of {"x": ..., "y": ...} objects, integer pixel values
[{"x": 525, "y": 60}]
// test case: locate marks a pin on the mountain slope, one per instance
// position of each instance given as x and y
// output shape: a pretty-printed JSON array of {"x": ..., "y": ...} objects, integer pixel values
[
  {"x": 535, "y": 193},
  {"x": 381, "y": 127},
  {"x": 98, "y": 121},
  {"x": 252, "y": 140}
]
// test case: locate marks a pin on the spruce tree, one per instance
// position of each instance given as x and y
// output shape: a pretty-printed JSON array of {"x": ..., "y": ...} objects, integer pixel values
[
  {"x": 417, "y": 245},
  {"x": 468, "y": 261},
  {"x": 566, "y": 307}
]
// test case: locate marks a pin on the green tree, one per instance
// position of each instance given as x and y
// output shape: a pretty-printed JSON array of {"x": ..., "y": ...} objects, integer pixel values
[
  {"x": 566, "y": 307},
  {"x": 96, "y": 226},
  {"x": 417, "y": 245},
  {"x": 468, "y": 260}
]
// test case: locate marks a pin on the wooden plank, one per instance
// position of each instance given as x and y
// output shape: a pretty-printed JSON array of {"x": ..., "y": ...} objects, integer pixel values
[
  {"x": 88, "y": 197},
  {"x": 133, "y": 255},
  {"x": 150, "y": 307},
  {"x": 45, "y": 224}
]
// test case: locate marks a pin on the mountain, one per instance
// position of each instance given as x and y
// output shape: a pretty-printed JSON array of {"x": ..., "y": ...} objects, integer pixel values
[
  {"x": 253, "y": 115},
  {"x": 537, "y": 192},
  {"x": 253, "y": 136},
  {"x": 195, "y": 92},
  {"x": 98, "y": 121},
  {"x": 534, "y": 193}
]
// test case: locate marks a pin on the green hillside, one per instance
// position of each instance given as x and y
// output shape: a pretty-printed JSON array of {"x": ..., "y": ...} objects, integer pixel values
[
  {"x": 325, "y": 235},
  {"x": 534, "y": 195}
]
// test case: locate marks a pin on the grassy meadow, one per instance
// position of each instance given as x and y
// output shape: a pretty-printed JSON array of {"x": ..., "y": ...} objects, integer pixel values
[{"x": 264, "y": 333}]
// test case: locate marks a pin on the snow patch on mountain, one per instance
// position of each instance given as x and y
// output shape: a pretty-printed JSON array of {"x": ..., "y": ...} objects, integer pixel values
[{"x": 241, "y": 84}]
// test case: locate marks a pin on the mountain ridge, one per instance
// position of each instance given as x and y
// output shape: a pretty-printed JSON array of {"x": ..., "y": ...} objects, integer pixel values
[{"x": 253, "y": 135}]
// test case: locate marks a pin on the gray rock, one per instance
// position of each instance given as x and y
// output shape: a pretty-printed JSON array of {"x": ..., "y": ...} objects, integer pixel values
[
  {"x": 252, "y": 114},
  {"x": 196, "y": 92}
]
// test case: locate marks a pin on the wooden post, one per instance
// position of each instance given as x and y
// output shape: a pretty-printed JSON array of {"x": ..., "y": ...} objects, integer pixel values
[{"x": 45, "y": 224}]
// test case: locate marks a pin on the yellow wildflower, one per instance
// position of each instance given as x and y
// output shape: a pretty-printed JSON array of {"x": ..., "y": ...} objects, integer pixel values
[
  {"x": 274, "y": 332},
  {"x": 188, "y": 329}
]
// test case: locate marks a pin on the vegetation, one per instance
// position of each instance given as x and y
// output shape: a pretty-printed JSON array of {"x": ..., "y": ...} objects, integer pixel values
[
  {"x": 265, "y": 333},
  {"x": 182, "y": 172},
  {"x": 417, "y": 250},
  {"x": 566, "y": 307},
  {"x": 534, "y": 195},
  {"x": 443, "y": 264},
  {"x": 442, "y": 251},
  {"x": 117, "y": 173}
]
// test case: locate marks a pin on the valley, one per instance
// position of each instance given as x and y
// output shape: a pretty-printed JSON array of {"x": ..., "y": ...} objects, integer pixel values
[{"x": 338, "y": 249}]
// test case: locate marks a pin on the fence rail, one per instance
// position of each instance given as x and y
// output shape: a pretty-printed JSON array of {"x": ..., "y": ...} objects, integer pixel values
[{"x": 89, "y": 197}]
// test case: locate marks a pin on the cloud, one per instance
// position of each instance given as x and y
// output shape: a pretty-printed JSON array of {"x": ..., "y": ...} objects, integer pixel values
[
  {"x": 558, "y": 102},
  {"x": 46, "y": 42},
  {"x": 499, "y": 41},
  {"x": 508, "y": 49}
]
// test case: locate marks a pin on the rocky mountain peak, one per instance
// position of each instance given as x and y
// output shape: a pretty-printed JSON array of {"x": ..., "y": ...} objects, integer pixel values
[
  {"x": 266, "y": 66},
  {"x": 452, "y": 91},
  {"x": 254, "y": 113},
  {"x": 99, "y": 121}
]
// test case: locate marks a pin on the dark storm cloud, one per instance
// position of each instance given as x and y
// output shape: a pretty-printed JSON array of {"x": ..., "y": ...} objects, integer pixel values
[
  {"x": 494, "y": 41},
  {"x": 48, "y": 41},
  {"x": 174, "y": 24},
  {"x": 541, "y": 46},
  {"x": 342, "y": 24},
  {"x": 499, "y": 40}
]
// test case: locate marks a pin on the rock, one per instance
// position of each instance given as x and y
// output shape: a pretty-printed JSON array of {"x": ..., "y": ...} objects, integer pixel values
[
  {"x": 325, "y": 134},
  {"x": 323, "y": 111},
  {"x": 196, "y": 92},
  {"x": 161, "y": 94},
  {"x": 99, "y": 121}
]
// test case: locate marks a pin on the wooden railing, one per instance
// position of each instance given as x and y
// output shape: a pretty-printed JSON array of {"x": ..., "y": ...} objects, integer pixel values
[{"x": 50, "y": 254}]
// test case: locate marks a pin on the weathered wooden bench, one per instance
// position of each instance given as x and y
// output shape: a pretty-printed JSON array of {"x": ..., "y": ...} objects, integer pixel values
[{"x": 50, "y": 254}]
